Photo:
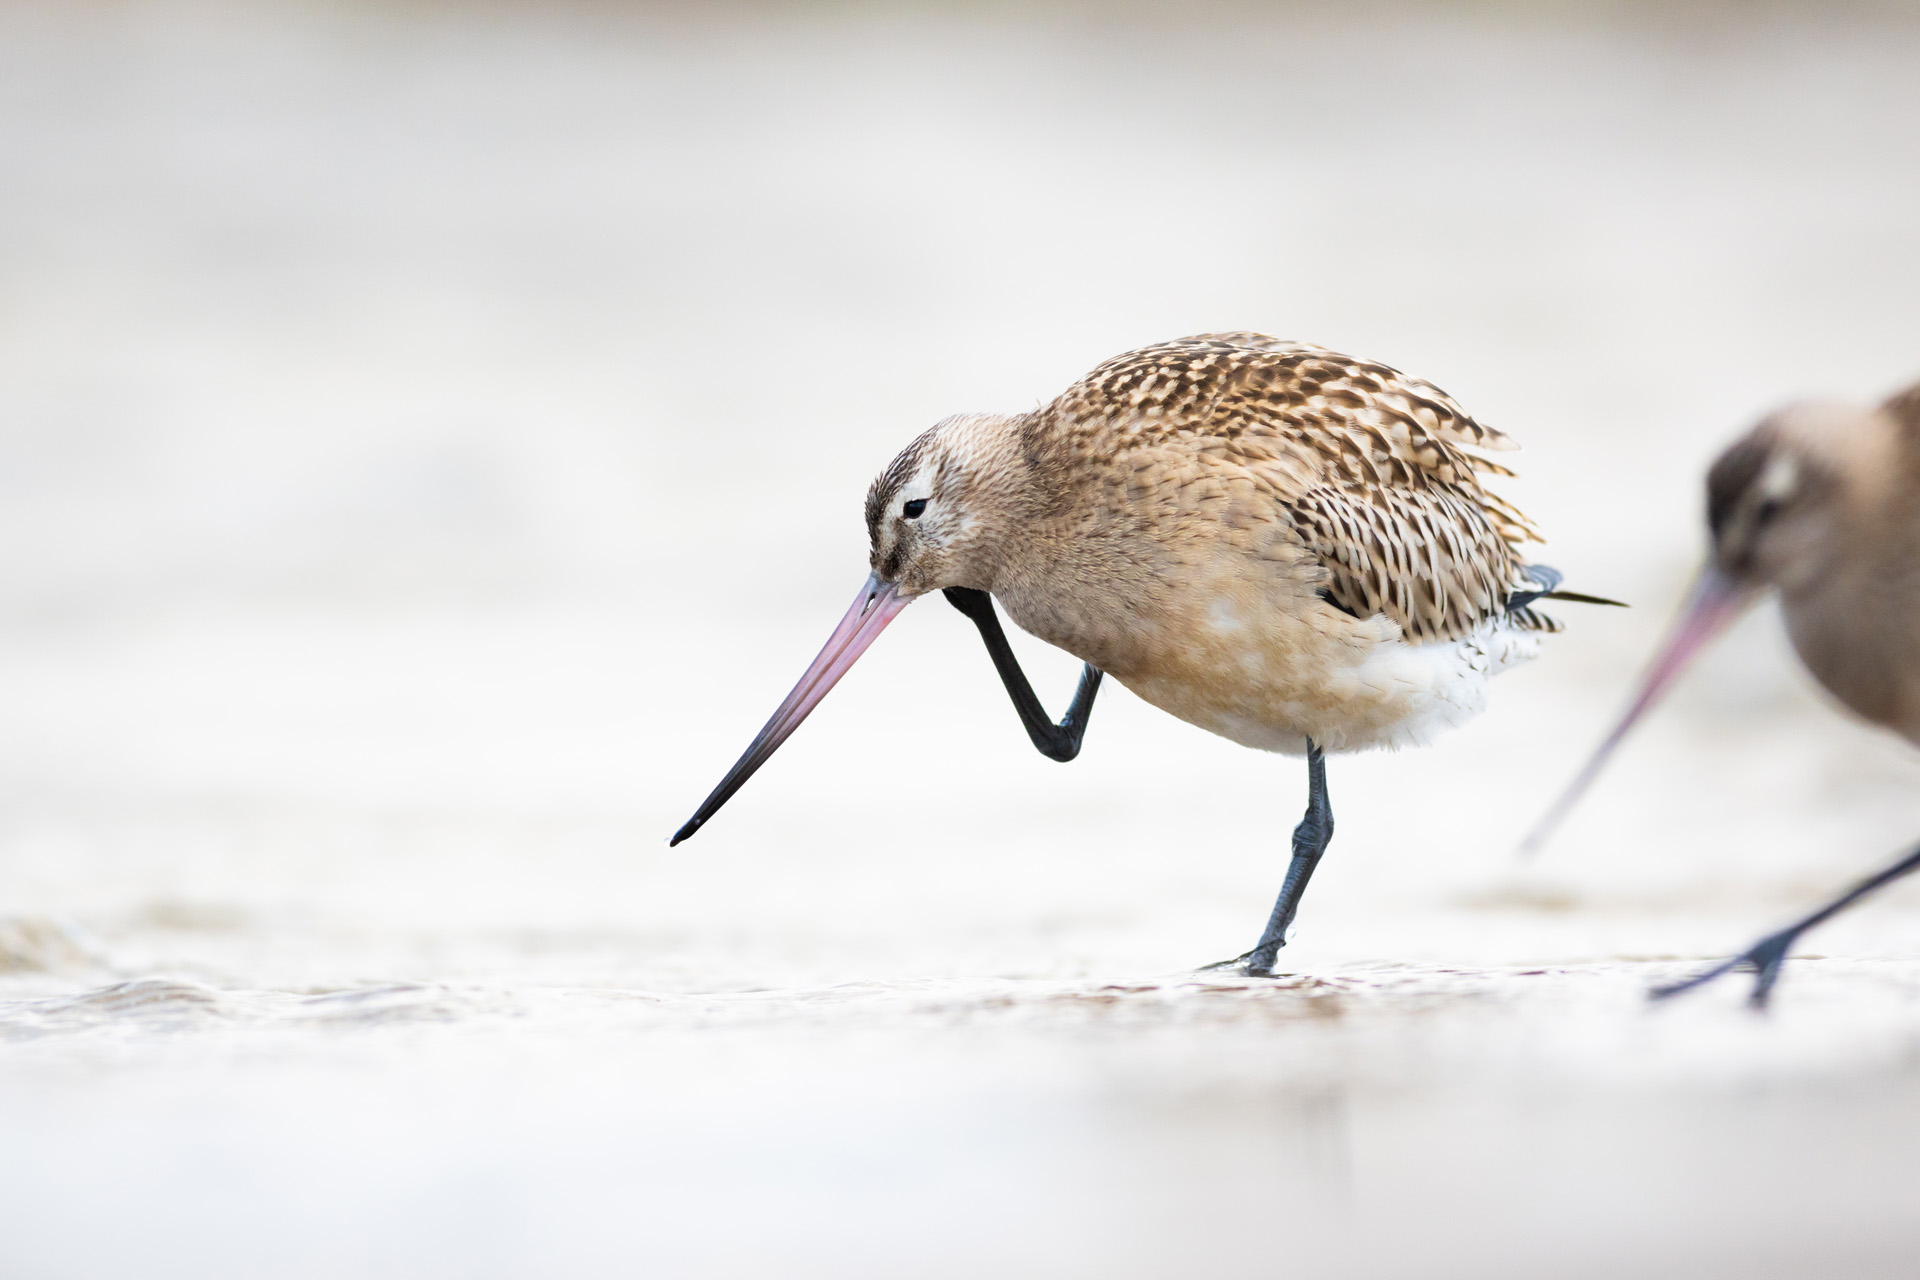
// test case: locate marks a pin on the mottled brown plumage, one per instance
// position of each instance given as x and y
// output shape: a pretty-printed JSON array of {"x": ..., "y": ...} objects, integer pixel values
[{"x": 1369, "y": 466}]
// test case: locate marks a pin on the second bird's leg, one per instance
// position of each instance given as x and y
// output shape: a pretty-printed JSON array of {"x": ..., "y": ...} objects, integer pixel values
[
  {"x": 1055, "y": 741},
  {"x": 1767, "y": 955},
  {"x": 1310, "y": 841}
]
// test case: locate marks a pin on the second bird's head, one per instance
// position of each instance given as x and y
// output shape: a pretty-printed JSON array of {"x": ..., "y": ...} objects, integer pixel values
[
  {"x": 1772, "y": 496},
  {"x": 1781, "y": 504}
]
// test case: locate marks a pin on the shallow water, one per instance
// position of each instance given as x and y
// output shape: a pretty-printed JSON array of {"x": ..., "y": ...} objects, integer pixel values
[{"x": 431, "y": 441}]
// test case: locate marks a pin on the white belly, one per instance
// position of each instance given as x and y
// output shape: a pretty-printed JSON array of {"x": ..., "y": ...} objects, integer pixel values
[{"x": 1346, "y": 695}]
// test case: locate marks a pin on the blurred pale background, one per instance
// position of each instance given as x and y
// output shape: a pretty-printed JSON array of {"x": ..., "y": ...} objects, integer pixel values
[{"x": 432, "y": 440}]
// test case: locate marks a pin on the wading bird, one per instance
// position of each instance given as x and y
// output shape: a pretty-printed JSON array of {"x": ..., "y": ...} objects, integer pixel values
[
  {"x": 1821, "y": 504},
  {"x": 1285, "y": 546}
]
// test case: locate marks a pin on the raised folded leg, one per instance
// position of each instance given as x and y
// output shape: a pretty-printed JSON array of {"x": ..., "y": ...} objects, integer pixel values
[{"x": 1055, "y": 741}]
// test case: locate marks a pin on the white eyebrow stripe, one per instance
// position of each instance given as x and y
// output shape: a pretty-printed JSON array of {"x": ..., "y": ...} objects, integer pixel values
[{"x": 1781, "y": 477}]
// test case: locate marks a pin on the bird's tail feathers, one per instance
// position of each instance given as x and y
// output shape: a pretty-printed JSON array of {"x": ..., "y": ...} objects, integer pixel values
[
  {"x": 1579, "y": 597},
  {"x": 1548, "y": 581}
]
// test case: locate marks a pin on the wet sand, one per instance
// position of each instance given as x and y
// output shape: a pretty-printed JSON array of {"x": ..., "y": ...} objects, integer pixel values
[{"x": 431, "y": 442}]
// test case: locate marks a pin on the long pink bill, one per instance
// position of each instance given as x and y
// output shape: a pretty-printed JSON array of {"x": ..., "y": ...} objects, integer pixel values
[
  {"x": 875, "y": 606},
  {"x": 1715, "y": 602}
]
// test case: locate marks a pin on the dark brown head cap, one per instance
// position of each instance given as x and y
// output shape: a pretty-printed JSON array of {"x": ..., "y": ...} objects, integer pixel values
[{"x": 1776, "y": 498}]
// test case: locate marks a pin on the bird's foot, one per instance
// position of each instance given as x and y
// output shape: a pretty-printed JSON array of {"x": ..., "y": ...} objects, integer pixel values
[
  {"x": 1764, "y": 958},
  {"x": 1257, "y": 963}
]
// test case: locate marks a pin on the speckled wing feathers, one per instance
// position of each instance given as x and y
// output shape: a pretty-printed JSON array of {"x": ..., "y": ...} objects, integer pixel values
[{"x": 1369, "y": 466}]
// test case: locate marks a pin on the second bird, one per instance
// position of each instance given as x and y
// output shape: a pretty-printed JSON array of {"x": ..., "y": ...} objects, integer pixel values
[{"x": 1286, "y": 546}]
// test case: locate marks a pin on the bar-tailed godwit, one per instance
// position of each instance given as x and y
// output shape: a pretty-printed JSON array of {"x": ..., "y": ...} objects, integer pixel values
[
  {"x": 1819, "y": 503},
  {"x": 1286, "y": 546}
]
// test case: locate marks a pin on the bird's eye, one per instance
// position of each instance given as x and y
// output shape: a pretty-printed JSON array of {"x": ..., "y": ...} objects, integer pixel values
[
  {"x": 1766, "y": 511},
  {"x": 913, "y": 510}
]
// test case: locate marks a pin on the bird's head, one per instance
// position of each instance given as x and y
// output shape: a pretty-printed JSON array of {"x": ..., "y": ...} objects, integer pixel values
[
  {"x": 933, "y": 513},
  {"x": 932, "y": 520},
  {"x": 1771, "y": 495}
]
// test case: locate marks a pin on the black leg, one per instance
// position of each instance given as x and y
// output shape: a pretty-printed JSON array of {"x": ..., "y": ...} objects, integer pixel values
[
  {"x": 1767, "y": 955},
  {"x": 1057, "y": 742},
  {"x": 1310, "y": 841}
]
